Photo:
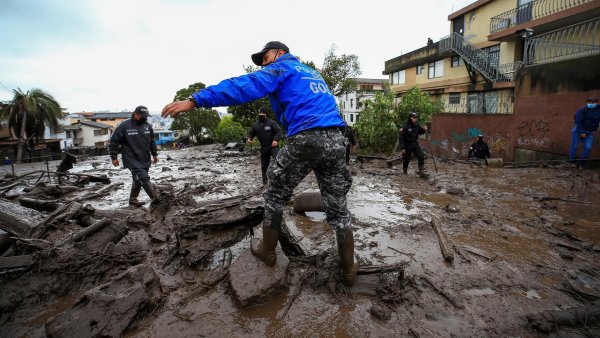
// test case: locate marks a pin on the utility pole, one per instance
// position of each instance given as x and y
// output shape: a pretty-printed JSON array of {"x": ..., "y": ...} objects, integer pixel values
[{"x": 21, "y": 137}]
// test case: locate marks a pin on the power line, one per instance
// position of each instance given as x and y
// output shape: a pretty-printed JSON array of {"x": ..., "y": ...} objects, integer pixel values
[{"x": 5, "y": 86}]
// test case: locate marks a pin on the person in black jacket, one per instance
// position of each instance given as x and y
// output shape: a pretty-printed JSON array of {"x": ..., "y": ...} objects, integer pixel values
[
  {"x": 134, "y": 138},
  {"x": 349, "y": 133},
  {"x": 269, "y": 135},
  {"x": 409, "y": 144},
  {"x": 479, "y": 150}
]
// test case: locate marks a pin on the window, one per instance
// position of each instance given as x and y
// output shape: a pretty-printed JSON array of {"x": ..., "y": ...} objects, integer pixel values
[
  {"x": 351, "y": 117},
  {"x": 398, "y": 78},
  {"x": 100, "y": 132},
  {"x": 457, "y": 61},
  {"x": 99, "y": 144},
  {"x": 436, "y": 69},
  {"x": 366, "y": 87},
  {"x": 420, "y": 69},
  {"x": 454, "y": 98},
  {"x": 356, "y": 119},
  {"x": 68, "y": 134},
  {"x": 351, "y": 103},
  {"x": 358, "y": 103},
  {"x": 493, "y": 54}
]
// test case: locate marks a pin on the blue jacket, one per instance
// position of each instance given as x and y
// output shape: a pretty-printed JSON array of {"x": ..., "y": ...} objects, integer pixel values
[
  {"x": 587, "y": 120},
  {"x": 299, "y": 96}
]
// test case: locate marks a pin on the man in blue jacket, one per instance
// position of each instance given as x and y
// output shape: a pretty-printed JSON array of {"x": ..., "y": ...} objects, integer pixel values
[
  {"x": 134, "y": 138},
  {"x": 306, "y": 109},
  {"x": 587, "y": 119}
]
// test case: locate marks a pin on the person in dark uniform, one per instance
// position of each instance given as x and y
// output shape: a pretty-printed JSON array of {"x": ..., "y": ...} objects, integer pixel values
[
  {"x": 349, "y": 133},
  {"x": 479, "y": 150},
  {"x": 134, "y": 138},
  {"x": 409, "y": 144},
  {"x": 306, "y": 110},
  {"x": 269, "y": 135}
]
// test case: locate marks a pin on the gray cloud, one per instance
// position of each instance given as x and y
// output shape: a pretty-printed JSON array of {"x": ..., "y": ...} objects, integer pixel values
[{"x": 29, "y": 26}]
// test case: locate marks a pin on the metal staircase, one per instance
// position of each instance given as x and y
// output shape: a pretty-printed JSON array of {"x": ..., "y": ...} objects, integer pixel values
[{"x": 477, "y": 58}]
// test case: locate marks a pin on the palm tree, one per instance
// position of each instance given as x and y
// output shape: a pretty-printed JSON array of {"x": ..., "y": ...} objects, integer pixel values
[{"x": 31, "y": 112}]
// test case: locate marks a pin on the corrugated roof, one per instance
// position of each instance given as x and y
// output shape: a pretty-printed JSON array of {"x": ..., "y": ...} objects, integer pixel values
[
  {"x": 109, "y": 116},
  {"x": 96, "y": 124}
]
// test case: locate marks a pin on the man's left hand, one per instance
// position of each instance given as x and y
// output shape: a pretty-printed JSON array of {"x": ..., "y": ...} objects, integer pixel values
[
  {"x": 154, "y": 159},
  {"x": 274, "y": 144}
]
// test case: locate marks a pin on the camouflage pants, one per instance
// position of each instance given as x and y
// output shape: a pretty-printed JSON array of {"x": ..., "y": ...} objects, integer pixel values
[{"x": 322, "y": 151}]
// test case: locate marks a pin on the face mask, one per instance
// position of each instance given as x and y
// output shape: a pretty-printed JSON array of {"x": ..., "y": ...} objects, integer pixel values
[
  {"x": 592, "y": 105},
  {"x": 262, "y": 117}
]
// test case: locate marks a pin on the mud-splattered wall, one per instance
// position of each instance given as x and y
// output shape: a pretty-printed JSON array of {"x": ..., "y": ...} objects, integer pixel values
[{"x": 546, "y": 98}]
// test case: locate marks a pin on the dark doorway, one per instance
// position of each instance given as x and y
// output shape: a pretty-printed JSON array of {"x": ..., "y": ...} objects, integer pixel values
[{"x": 458, "y": 25}]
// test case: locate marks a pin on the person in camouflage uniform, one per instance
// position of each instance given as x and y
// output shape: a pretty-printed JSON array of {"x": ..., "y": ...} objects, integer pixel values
[{"x": 306, "y": 109}]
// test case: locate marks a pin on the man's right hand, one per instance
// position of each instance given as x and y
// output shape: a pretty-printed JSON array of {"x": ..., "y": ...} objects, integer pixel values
[
  {"x": 582, "y": 135},
  {"x": 249, "y": 140},
  {"x": 174, "y": 108},
  {"x": 115, "y": 163},
  {"x": 402, "y": 151}
]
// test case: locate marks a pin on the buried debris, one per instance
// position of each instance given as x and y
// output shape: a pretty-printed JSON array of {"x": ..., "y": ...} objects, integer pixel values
[
  {"x": 109, "y": 309},
  {"x": 252, "y": 282},
  {"x": 587, "y": 316}
]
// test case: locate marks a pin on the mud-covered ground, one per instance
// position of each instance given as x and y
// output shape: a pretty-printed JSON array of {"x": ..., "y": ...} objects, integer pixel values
[{"x": 524, "y": 240}]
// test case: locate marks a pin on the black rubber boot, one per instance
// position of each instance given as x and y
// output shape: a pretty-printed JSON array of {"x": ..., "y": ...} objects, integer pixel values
[
  {"x": 265, "y": 249},
  {"x": 345, "y": 242},
  {"x": 405, "y": 169},
  {"x": 264, "y": 178},
  {"x": 149, "y": 189},
  {"x": 135, "y": 192},
  {"x": 423, "y": 172}
]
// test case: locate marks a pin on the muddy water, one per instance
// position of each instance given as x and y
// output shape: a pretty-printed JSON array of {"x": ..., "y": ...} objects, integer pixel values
[{"x": 507, "y": 263}]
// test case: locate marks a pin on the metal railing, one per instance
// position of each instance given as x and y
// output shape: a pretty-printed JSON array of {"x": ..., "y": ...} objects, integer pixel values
[
  {"x": 531, "y": 11},
  {"x": 479, "y": 103},
  {"x": 478, "y": 58},
  {"x": 575, "y": 41}
]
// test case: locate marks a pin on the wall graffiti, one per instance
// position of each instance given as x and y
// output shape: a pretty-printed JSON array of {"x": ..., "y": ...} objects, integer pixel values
[
  {"x": 532, "y": 133},
  {"x": 474, "y": 132},
  {"x": 458, "y": 144},
  {"x": 535, "y": 128}
]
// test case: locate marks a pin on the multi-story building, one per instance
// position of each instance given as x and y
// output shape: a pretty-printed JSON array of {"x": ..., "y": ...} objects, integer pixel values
[
  {"x": 88, "y": 134},
  {"x": 352, "y": 103},
  {"x": 515, "y": 70}
]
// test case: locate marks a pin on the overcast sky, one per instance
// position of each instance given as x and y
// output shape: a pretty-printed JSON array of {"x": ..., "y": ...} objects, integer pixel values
[{"x": 94, "y": 55}]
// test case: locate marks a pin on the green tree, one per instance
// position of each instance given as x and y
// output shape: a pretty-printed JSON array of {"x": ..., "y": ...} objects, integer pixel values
[
  {"x": 229, "y": 130},
  {"x": 30, "y": 113},
  {"x": 377, "y": 129},
  {"x": 415, "y": 100},
  {"x": 201, "y": 123},
  {"x": 339, "y": 72}
]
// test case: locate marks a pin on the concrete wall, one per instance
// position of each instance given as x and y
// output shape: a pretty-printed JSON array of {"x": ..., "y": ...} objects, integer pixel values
[
  {"x": 89, "y": 139},
  {"x": 546, "y": 97}
]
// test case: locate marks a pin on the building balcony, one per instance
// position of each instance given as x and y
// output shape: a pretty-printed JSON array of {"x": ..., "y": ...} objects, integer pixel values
[
  {"x": 575, "y": 41},
  {"x": 541, "y": 16}
]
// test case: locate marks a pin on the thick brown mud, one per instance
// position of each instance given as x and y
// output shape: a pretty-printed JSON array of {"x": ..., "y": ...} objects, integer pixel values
[{"x": 525, "y": 240}]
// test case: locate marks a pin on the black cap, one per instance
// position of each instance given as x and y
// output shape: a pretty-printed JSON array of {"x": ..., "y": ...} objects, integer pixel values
[
  {"x": 263, "y": 110},
  {"x": 480, "y": 136},
  {"x": 257, "y": 57},
  {"x": 592, "y": 99},
  {"x": 413, "y": 114},
  {"x": 142, "y": 111}
]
